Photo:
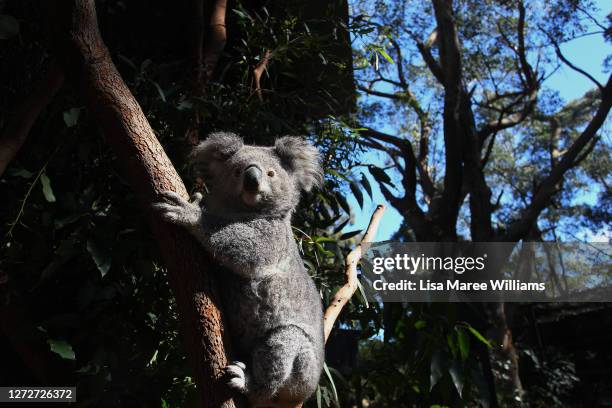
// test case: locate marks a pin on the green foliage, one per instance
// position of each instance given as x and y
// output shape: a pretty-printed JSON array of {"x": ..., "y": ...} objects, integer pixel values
[
  {"x": 77, "y": 249},
  {"x": 63, "y": 349}
]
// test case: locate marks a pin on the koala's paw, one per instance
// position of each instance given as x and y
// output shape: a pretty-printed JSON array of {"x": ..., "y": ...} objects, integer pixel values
[
  {"x": 177, "y": 210},
  {"x": 196, "y": 198},
  {"x": 236, "y": 377}
]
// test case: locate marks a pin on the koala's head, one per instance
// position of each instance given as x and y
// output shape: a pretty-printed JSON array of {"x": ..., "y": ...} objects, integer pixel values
[{"x": 250, "y": 180}]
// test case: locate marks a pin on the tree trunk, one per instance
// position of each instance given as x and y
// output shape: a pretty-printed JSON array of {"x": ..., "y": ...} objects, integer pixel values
[{"x": 86, "y": 61}]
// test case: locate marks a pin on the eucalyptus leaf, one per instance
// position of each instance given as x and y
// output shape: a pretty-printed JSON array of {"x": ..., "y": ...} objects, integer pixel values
[
  {"x": 366, "y": 185},
  {"x": 464, "y": 343},
  {"x": 343, "y": 203},
  {"x": 339, "y": 227},
  {"x": 436, "y": 369},
  {"x": 419, "y": 324},
  {"x": 62, "y": 348},
  {"x": 71, "y": 117},
  {"x": 160, "y": 91},
  {"x": 23, "y": 173},
  {"x": 46, "y": 188},
  {"x": 380, "y": 175},
  {"x": 357, "y": 193},
  {"x": 458, "y": 376},
  {"x": 331, "y": 381},
  {"x": 479, "y": 336},
  {"x": 101, "y": 255},
  {"x": 349, "y": 234},
  {"x": 386, "y": 55}
]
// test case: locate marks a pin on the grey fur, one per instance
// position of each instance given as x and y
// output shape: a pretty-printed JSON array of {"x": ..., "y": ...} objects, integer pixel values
[{"x": 272, "y": 305}]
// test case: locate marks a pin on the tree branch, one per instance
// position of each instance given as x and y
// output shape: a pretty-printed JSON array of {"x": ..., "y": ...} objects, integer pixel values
[
  {"x": 458, "y": 120},
  {"x": 430, "y": 61},
  {"x": 528, "y": 73},
  {"x": 258, "y": 71},
  {"x": 217, "y": 37},
  {"x": 569, "y": 63},
  {"x": 344, "y": 294},
  {"x": 405, "y": 147},
  {"x": 529, "y": 79},
  {"x": 24, "y": 116},
  {"x": 548, "y": 187},
  {"x": 86, "y": 61},
  {"x": 205, "y": 56},
  {"x": 509, "y": 121}
]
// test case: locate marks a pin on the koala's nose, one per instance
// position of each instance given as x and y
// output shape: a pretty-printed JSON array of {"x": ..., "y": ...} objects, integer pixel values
[{"x": 252, "y": 178}]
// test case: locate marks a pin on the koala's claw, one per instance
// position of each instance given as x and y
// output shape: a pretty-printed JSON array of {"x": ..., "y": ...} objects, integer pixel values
[
  {"x": 196, "y": 198},
  {"x": 173, "y": 197},
  {"x": 177, "y": 210},
  {"x": 239, "y": 364},
  {"x": 236, "y": 376}
]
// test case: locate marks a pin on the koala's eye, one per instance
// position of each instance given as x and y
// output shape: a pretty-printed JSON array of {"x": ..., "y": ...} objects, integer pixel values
[
  {"x": 271, "y": 173},
  {"x": 237, "y": 173}
]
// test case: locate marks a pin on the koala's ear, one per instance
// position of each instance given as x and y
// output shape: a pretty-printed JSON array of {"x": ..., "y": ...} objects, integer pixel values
[
  {"x": 301, "y": 159},
  {"x": 218, "y": 146}
]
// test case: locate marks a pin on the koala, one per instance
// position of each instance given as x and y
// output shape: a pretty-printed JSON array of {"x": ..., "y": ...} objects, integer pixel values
[{"x": 244, "y": 222}]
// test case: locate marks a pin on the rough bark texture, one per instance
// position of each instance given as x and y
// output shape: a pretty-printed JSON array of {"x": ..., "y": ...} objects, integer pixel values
[{"x": 86, "y": 61}]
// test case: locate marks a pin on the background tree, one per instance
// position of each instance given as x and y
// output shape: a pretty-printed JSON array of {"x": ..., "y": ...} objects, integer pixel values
[{"x": 481, "y": 150}]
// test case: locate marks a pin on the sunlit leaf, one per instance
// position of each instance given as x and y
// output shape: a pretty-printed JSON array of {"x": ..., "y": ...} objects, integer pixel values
[
  {"x": 331, "y": 381},
  {"x": 479, "y": 336},
  {"x": 160, "y": 91},
  {"x": 463, "y": 341},
  {"x": 23, "y": 173},
  {"x": 46, "y": 188},
  {"x": 71, "y": 117},
  {"x": 101, "y": 255},
  {"x": 386, "y": 56},
  {"x": 458, "y": 376},
  {"x": 362, "y": 293},
  {"x": 419, "y": 324},
  {"x": 435, "y": 369},
  {"x": 62, "y": 348}
]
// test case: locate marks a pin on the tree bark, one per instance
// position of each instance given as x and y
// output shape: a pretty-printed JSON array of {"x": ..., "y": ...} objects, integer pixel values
[{"x": 86, "y": 61}]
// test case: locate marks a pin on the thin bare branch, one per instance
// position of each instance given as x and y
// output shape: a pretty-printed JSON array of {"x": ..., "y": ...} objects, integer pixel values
[
  {"x": 258, "y": 71},
  {"x": 569, "y": 63},
  {"x": 344, "y": 294}
]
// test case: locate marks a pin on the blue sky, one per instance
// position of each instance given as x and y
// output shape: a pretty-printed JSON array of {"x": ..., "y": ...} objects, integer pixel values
[{"x": 587, "y": 53}]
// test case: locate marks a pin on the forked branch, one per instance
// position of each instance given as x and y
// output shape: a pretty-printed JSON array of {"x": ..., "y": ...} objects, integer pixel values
[{"x": 345, "y": 293}]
